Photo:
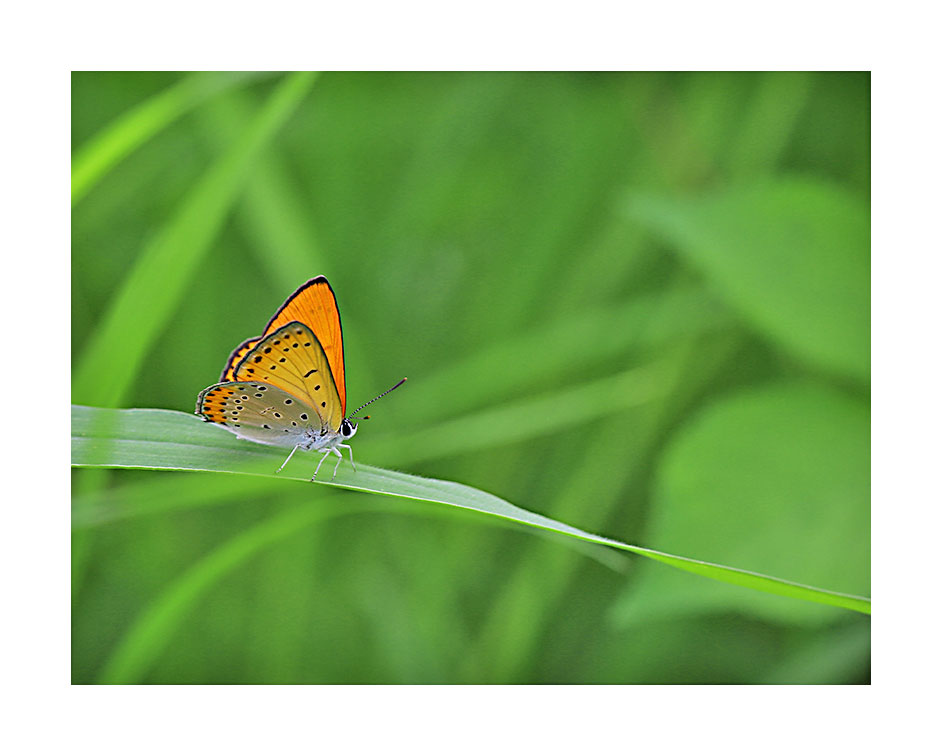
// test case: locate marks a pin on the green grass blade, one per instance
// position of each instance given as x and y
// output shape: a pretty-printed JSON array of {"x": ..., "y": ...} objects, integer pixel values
[
  {"x": 507, "y": 646},
  {"x": 165, "y": 268},
  {"x": 170, "y": 493},
  {"x": 647, "y": 320},
  {"x": 167, "y": 440},
  {"x": 130, "y": 130},
  {"x": 527, "y": 418},
  {"x": 154, "y": 628},
  {"x": 141, "y": 645},
  {"x": 593, "y": 335},
  {"x": 273, "y": 214}
]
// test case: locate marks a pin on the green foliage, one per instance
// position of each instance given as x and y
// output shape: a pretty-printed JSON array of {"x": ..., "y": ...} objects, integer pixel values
[
  {"x": 635, "y": 303},
  {"x": 165, "y": 440},
  {"x": 141, "y": 309},
  {"x": 800, "y": 455},
  {"x": 792, "y": 255}
]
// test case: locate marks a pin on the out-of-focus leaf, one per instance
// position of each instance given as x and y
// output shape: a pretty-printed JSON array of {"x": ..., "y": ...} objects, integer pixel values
[
  {"x": 833, "y": 654},
  {"x": 776, "y": 479},
  {"x": 791, "y": 255}
]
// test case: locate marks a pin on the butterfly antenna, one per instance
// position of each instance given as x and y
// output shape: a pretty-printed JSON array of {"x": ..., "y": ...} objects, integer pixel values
[{"x": 364, "y": 406}]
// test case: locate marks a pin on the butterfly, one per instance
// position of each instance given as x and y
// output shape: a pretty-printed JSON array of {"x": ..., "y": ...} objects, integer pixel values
[{"x": 286, "y": 387}]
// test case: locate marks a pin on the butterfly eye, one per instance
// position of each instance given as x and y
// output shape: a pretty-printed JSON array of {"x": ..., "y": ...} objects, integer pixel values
[{"x": 347, "y": 429}]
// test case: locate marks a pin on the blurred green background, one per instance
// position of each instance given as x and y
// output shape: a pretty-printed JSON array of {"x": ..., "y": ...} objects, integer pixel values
[{"x": 678, "y": 263}]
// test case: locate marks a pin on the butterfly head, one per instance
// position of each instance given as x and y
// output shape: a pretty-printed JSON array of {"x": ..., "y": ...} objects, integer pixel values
[{"x": 348, "y": 429}]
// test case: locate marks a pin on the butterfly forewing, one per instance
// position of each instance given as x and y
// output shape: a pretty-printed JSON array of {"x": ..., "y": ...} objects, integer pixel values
[
  {"x": 314, "y": 305},
  {"x": 258, "y": 412},
  {"x": 292, "y": 359}
]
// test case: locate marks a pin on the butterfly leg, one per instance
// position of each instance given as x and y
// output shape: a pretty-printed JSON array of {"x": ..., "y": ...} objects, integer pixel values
[
  {"x": 317, "y": 469},
  {"x": 287, "y": 460},
  {"x": 339, "y": 454},
  {"x": 350, "y": 448}
]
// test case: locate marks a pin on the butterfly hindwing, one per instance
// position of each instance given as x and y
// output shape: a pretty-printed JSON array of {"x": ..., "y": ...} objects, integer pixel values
[
  {"x": 258, "y": 412},
  {"x": 292, "y": 359},
  {"x": 236, "y": 357},
  {"x": 313, "y": 304}
]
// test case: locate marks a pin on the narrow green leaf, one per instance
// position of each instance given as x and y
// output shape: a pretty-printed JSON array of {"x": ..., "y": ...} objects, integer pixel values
[
  {"x": 592, "y": 335},
  {"x": 170, "y": 493},
  {"x": 167, "y": 440},
  {"x": 508, "y": 644},
  {"x": 527, "y": 418},
  {"x": 274, "y": 214},
  {"x": 151, "y": 631},
  {"x": 140, "y": 309},
  {"x": 665, "y": 316},
  {"x": 132, "y": 129}
]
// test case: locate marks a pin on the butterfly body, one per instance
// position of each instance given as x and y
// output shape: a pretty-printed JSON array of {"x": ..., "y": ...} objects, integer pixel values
[{"x": 285, "y": 388}]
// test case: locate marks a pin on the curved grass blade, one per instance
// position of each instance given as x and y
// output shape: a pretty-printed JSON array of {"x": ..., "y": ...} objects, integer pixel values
[
  {"x": 168, "y": 440},
  {"x": 596, "y": 333},
  {"x": 273, "y": 213},
  {"x": 507, "y": 645},
  {"x": 161, "y": 274},
  {"x": 154, "y": 628},
  {"x": 150, "y": 633},
  {"x": 677, "y": 311},
  {"x": 133, "y": 128},
  {"x": 526, "y": 418}
]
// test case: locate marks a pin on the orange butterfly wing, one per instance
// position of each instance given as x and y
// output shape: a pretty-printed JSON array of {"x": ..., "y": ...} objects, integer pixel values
[
  {"x": 315, "y": 305},
  {"x": 235, "y": 358}
]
